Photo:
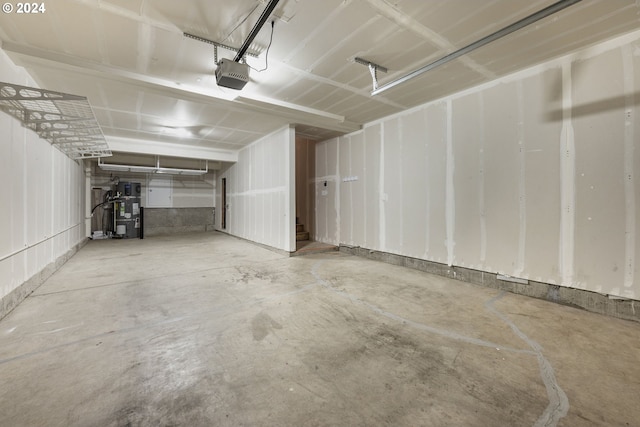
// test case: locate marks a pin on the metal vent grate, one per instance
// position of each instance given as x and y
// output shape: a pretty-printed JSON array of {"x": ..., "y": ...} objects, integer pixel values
[{"x": 66, "y": 121}]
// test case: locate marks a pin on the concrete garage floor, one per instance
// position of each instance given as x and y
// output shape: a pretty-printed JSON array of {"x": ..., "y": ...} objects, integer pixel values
[{"x": 209, "y": 330}]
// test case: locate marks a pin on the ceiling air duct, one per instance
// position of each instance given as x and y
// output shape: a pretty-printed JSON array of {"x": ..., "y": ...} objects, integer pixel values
[{"x": 234, "y": 74}]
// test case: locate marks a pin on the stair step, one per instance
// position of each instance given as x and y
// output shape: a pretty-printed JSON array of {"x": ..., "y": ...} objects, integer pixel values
[
  {"x": 302, "y": 235},
  {"x": 299, "y": 228}
]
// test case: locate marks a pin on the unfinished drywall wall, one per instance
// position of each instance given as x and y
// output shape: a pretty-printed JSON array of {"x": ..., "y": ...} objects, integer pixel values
[
  {"x": 305, "y": 183},
  {"x": 327, "y": 191},
  {"x": 260, "y": 192},
  {"x": 532, "y": 176},
  {"x": 42, "y": 219}
]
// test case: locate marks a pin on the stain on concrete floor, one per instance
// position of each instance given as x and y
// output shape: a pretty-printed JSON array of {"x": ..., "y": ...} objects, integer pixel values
[{"x": 230, "y": 334}]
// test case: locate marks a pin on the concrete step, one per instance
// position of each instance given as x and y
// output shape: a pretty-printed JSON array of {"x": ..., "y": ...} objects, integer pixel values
[{"x": 302, "y": 235}]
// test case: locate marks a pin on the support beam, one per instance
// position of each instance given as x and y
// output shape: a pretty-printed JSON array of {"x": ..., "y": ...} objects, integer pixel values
[
  {"x": 165, "y": 149},
  {"x": 27, "y": 56}
]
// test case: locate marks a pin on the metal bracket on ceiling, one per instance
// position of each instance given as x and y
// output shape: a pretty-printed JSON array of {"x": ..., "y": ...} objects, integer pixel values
[
  {"x": 373, "y": 69},
  {"x": 66, "y": 121},
  {"x": 216, "y": 45},
  {"x": 524, "y": 22}
]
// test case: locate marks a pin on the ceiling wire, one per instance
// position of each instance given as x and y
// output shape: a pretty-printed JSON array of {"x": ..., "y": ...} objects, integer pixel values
[
  {"x": 241, "y": 22},
  {"x": 266, "y": 57}
]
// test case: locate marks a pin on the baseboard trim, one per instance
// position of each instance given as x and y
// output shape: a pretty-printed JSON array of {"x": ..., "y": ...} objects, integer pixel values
[
  {"x": 19, "y": 294},
  {"x": 578, "y": 298}
]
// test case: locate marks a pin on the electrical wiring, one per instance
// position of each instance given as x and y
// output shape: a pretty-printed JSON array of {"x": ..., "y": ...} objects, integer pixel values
[
  {"x": 104, "y": 204},
  {"x": 266, "y": 57},
  {"x": 241, "y": 22}
]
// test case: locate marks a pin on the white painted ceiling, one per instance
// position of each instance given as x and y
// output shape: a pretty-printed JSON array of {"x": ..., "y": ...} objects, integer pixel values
[{"x": 146, "y": 81}]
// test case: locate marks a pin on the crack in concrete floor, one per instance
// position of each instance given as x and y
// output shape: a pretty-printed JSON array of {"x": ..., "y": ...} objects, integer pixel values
[
  {"x": 290, "y": 310},
  {"x": 558, "y": 401}
]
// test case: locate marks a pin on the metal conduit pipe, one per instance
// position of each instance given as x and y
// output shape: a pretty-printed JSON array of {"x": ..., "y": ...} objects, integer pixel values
[
  {"x": 543, "y": 13},
  {"x": 256, "y": 29}
]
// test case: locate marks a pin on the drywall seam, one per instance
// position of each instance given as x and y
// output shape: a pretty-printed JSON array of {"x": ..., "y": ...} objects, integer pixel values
[
  {"x": 364, "y": 187},
  {"x": 384, "y": 8},
  {"x": 427, "y": 186},
  {"x": 338, "y": 235},
  {"x": 326, "y": 204},
  {"x": 321, "y": 179},
  {"x": 533, "y": 71},
  {"x": 259, "y": 192},
  {"x": 399, "y": 187},
  {"x": 27, "y": 247},
  {"x": 25, "y": 203},
  {"x": 450, "y": 207},
  {"x": 629, "y": 177},
  {"x": 481, "y": 182},
  {"x": 290, "y": 194},
  {"x": 381, "y": 202},
  {"x": 351, "y": 216},
  {"x": 567, "y": 181},
  {"x": 252, "y": 158},
  {"x": 522, "y": 184}
]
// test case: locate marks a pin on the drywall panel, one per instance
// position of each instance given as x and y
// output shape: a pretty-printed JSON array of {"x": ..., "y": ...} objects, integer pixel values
[
  {"x": 503, "y": 143},
  {"x": 631, "y": 64},
  {"x": 541, "y": 134},
  {"x": 321, "y": 193},
  {"x": 372, "y": 140},
  {"x": 7, "y": 174},
  {"x": 345, "y": 194},
  {"x": 534, "y": 175},
  {"x": 356, "y": 183},
  {"x": 17, "y": 179},
  {"x": 193, "y": 191},
  {"x": 414, "y": 184},
  {"x": 436, "y": 167},
  {"x": 392, "y": 191},
  {"x": 261, "y": 191},
  {"x": 43, "y": 216},
  {"x": 327, "y": 192},
  {"x": 599, "y": 125},
  {"x": 39, "y": 187},
  {"x": 468, "y": 181}
]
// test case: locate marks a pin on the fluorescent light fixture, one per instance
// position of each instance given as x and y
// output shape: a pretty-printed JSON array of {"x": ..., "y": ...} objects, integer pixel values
[{"x": 177, "y": 131}]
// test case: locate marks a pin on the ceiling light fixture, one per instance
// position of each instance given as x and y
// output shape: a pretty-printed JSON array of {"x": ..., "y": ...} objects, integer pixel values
[
  {"x": 543, "y": 13},
  {"x": 177, "y": 131}
]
